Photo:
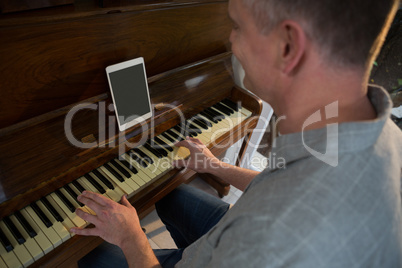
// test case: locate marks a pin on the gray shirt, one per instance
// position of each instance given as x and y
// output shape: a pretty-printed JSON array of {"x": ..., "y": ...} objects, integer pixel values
[{"x": 341, "y": 211}]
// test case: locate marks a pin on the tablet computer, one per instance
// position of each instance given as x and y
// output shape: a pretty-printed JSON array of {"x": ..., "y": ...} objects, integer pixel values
[{"x": 129, "y": 88}]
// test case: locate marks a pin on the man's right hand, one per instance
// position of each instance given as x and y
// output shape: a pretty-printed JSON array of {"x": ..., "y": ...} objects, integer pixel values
[{"x": 201, "y": 159}]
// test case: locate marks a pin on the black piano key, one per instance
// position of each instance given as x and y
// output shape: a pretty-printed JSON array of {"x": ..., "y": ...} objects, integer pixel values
[
  {"x": 231, "y": 104},
  {"x": 220, "y": 104},
  {"x": 163, "y": 144},
  {"x": 144, "y": 156},
  {"x": 73, "y": 194},
  {"x": 105, "y": 180},
  {"x": 66, "y": 202},
  {"x": 114, "y": 173},
  {"x": 160, "y": 150},
  {"x": 210, "y": 117},
  {"x": 200, "y": 123},
  {"x": 128, "y": 165},
  {"x": 185, "y": 132},
  {"x": 28, "y": 228},
  {"x": 95, "y": 183},
  {"x": 166, "y": 136},
  {"x": 138, "y": 159},
  {"x": 174, "y": 135},
  {"x": 41, "y": 215},
  {"x": 14, "y": 231},
  {"x": 78, "y": 186},
  {"x": 5, "y": 242},
  {"x": 153, "y": 151},
  {"x": 222, "y": 109},
  {"x": 120, "y": 168},
  {"x": 217, "y": 115},
  {"x": 191, "y": 126},
  {"x": 204, "y": 121},
  {"x": 51, "y": 209}
]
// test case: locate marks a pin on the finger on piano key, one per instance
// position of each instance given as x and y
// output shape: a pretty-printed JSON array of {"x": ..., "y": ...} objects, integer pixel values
[
  {"x": 178, "y": 152},
  {"x": 78, "y": 192},
  {"x": 9, "y": 258},
  {"x": 122, "y": 185},
  {"x": 62, "y": 224},
  {"x": 40, "y": 237},
  {"x": 71, "y": 215},
  {"x": 30, "y": 244},
  {"x": 71, "y": 199},
  {"x": 20, "y": 251},
  {"x": 114, "y": 194}
]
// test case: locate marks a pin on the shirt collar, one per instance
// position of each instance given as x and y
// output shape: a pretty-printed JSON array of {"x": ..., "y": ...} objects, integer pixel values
[{"x": 336, "y": 138}]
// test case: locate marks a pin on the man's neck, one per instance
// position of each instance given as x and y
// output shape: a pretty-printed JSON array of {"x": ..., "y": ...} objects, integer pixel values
[{"x": 330, "y": 97}]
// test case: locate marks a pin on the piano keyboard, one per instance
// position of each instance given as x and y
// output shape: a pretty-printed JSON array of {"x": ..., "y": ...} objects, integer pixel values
[{"x": 35, "y": 230}]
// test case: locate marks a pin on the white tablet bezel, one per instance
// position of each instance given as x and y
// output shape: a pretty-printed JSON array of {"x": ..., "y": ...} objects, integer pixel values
[{"x": 123, "y": 65}]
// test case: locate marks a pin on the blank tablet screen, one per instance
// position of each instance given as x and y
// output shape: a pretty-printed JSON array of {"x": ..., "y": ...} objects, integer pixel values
[{"x": 130, "y": 92}]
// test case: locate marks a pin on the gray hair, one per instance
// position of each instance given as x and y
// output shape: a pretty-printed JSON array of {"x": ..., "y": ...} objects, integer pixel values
[{"x": 347, "y": 32}]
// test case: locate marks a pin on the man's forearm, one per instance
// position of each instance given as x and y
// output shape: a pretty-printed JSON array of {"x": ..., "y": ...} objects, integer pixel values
[
  {"x": 139, "y": 253},
  {"x": 236, "y": 176}
]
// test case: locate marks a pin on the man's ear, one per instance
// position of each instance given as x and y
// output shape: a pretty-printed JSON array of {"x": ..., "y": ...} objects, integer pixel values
[{"x": 293, "y": 45}]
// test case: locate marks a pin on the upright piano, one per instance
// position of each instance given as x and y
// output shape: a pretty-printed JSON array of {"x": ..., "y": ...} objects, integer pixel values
[{"x": 58, "y": 135}]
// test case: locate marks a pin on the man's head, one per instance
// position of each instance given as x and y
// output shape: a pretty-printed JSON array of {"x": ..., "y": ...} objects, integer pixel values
[
  {"x": 301, "y": 55},
  {"x": 343, "y": 30}
]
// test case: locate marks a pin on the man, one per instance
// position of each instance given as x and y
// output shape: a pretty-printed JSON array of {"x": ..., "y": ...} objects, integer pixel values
[{"x": 336, "y": 202}]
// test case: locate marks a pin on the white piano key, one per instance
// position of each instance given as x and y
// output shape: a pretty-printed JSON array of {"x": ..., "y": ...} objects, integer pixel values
[
  {"x": 137, "y": 178},
  {"x": 9, "y": 258},
  {"x": 72, "y": 216},
  {"x": 53, "y": 237},
  {"x": 2, "y": 263},
  {"x": 72, "y": 200},
  {"x": 123, "y": 185},
  {"x": 114, "y": 194},
  {"x": 154, "y": 169},
  {"x": 130, "y": 181},
  {"x": 60, "y": 228},
  {"x": 20, "y": 251},
  {"x": 144, "y": 176},
  {"x": 30, "y": 243},
  {"x": 40, "y": 237},
  {"x": 90, "y": 211}
]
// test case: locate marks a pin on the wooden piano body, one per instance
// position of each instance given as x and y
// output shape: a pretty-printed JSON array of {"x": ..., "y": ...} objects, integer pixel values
[{"x": 53, "y": 60}]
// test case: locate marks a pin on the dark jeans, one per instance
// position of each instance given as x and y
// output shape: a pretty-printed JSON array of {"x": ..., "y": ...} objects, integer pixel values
[{"x": 188, "y": 214}]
